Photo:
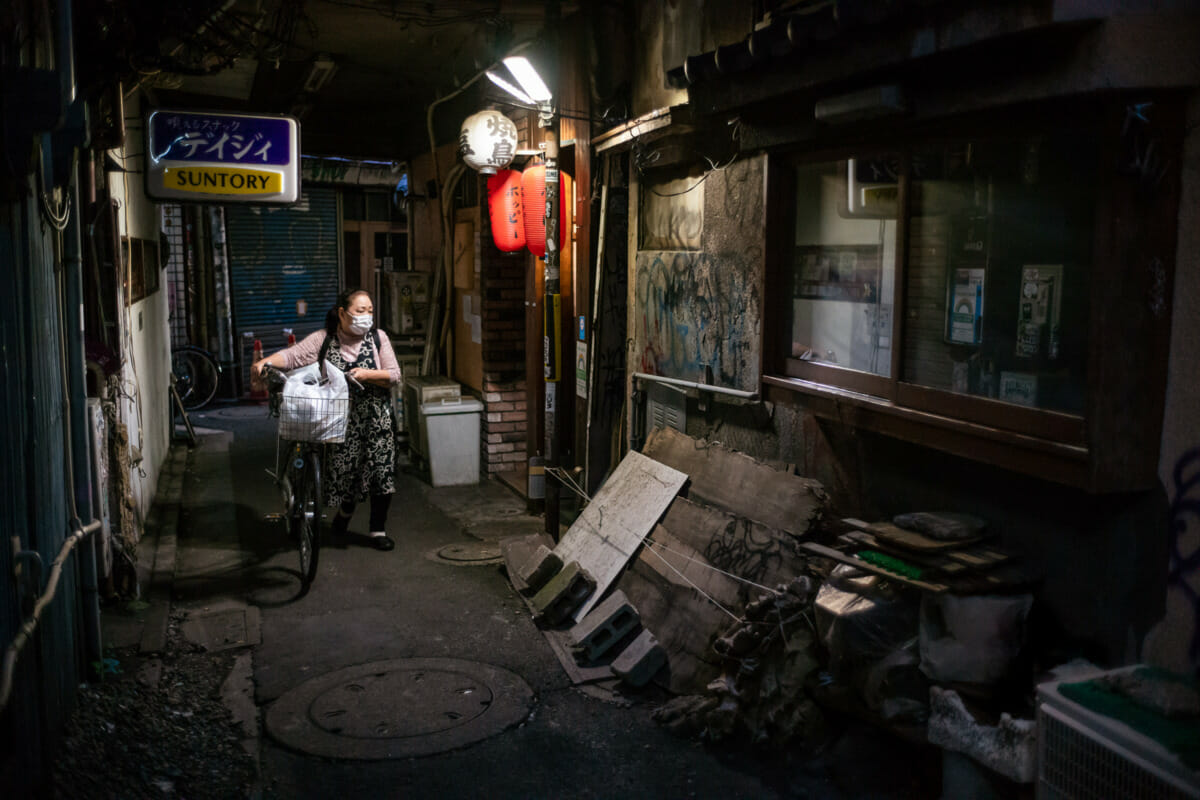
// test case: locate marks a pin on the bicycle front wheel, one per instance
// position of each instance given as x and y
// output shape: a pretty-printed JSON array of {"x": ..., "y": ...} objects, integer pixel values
[
  {"x": 306, "y": 518},
  {"x": 197, "y": 375}
]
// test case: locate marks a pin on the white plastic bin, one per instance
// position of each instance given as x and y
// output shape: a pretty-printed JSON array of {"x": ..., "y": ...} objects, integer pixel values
[
  {"x": 451, "y": 430},
  {"x": 419, "y": 390}
]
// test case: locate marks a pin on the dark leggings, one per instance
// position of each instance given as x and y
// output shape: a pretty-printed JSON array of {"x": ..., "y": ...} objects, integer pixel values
[{"x": 379, "y": 509}]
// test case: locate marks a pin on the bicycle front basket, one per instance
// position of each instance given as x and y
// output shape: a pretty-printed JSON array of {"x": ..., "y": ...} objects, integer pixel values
[{"x": 313, "y": 419}]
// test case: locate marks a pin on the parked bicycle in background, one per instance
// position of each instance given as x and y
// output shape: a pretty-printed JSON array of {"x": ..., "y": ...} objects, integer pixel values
[{"x": 197, "y": 375}]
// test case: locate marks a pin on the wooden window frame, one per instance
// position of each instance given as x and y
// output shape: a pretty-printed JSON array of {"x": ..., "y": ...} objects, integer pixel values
[{"x": 1067, "y": 448}]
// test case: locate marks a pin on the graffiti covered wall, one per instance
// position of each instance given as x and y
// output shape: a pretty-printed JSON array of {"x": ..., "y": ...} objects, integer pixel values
[{"x": 697, "y": 309}]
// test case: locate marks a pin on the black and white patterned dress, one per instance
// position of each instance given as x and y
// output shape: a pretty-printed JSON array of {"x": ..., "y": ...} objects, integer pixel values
[{"x": 365, "y": 463}]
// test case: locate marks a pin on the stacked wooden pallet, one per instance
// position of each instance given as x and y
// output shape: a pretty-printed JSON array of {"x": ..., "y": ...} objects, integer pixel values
[{"x": 971, "y": 565}]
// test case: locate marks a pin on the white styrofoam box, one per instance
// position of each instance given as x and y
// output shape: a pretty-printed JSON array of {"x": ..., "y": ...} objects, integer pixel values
[{"x": 450, "y": 428}]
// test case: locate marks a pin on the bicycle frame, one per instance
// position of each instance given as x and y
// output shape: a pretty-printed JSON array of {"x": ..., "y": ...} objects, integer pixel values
[{"x": 297, "y": 475}]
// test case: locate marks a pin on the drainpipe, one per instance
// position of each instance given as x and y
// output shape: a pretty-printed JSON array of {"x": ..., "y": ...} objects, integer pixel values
[
  {"x": 71, "y": 313},
  {"x": 79, "y": 446},
  {"x": 64, "y": 60}
]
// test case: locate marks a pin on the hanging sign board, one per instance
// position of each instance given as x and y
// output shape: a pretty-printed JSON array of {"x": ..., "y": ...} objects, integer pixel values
[
  {"x": 222, "y": 158},
  {"x": 352, "y": 172}
]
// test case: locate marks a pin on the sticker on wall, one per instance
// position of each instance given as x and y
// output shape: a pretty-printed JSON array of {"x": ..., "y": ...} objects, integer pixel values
[{"x": 581, "y": 386}]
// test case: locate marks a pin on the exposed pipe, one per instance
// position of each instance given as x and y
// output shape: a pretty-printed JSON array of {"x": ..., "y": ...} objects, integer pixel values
[
  {"x": 704, "y": 387},
  {"x": 30, "y": 624},
  {"x": 64, "y": 60},
  {"x": 596, "y": 290},
  {"x": 75, "y": 385},
  {"x": 434, "y": 309}
]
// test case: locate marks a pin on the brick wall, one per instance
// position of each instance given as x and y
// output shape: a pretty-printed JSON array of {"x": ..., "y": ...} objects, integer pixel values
[{"x": 502, "y": 291}]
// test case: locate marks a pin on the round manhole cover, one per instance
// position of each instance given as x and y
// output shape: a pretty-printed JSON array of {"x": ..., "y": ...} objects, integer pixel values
[
  {"x": 468, "y": 553},
  {"x": 399, "y": 709}
]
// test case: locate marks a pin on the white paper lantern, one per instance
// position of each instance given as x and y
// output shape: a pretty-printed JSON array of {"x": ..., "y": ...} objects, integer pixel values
[{"x": 488, "y": 141}]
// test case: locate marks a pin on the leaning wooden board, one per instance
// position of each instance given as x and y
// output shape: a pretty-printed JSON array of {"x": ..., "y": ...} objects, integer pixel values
[{"x": 740, "y": 485}]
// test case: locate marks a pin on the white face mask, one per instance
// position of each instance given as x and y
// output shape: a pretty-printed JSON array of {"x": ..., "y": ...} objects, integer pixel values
[{"x": 360, "y": 324}]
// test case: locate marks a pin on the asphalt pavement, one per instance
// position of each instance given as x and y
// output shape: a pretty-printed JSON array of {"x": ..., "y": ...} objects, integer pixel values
[{"x": 398, "y": 647}]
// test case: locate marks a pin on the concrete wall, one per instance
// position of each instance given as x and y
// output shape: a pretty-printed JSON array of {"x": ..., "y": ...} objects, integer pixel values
[
  {"x": 145, "y": 333},
  {"x": 1175, "y": 642}
]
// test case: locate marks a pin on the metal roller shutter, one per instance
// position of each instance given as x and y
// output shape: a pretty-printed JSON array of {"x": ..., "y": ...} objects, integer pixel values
[{"x": 279, "y": 257}]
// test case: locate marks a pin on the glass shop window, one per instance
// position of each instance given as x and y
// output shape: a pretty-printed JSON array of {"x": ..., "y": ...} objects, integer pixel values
[
  {"x": 999, "y": 243},
  {"x": 842, "y": 271}
]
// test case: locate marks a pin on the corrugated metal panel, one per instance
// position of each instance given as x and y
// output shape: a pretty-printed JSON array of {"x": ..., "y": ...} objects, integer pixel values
[
  {"x": 32, "y": 470},
  {"x": 278, "y": 257}
]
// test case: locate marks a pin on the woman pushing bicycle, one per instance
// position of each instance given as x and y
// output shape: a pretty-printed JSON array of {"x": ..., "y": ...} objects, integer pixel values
[{"x": 364, "y": 465}]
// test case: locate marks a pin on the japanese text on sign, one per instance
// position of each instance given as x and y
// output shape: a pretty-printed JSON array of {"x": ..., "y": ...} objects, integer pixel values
[{"x": 183, "y": 136}]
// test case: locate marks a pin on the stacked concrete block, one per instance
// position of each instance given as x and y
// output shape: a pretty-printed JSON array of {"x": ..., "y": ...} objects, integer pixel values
[
  {"x": 604, "y": 626},
  {"x": 639, "y": 662},
  {"x": 537, "y": 571},
  {"x": 564, "y": 593}
]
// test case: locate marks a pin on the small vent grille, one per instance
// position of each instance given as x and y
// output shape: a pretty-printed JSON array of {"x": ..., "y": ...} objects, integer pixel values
[
  {"x": 1077, "y": 763},
  {"x": 666, "y": 408}
]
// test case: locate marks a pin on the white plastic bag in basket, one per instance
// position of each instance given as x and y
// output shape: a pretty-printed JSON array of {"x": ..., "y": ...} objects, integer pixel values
[{"x": 312, "y": 412}]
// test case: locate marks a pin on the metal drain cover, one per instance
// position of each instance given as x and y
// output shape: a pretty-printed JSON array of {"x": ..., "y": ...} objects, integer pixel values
[
  {"x": 399, "y": 709},
  {"x": 469, "y": 553}
]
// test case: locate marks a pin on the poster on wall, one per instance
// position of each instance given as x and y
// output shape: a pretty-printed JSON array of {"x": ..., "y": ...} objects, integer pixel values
[
  {"x": 836, "y": 272},
  {"x": 1039, "y": 309},
  {"x": 581, "y": 385},
  {"x": 965, "y": 320},
  {"x": 222, "y": 158}
]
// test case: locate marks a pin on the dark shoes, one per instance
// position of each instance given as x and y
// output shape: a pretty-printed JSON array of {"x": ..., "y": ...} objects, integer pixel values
[{"x": 341, "y": 524}]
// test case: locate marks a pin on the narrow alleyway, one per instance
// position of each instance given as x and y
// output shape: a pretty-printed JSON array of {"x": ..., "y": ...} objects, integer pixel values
[{"x": 234, "y": 591}]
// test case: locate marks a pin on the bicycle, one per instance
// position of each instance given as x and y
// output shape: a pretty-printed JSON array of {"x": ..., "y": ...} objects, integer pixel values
[
  {"x": 197, "y": 375},
  {"x": 298, "y": 465}
]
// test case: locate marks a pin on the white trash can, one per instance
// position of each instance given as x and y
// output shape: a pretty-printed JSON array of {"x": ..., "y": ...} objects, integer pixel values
[{"x": 451, "y": 430}]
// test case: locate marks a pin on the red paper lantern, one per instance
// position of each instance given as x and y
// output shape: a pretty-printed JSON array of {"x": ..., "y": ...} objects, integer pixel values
[
  {"x": 533, "y": 199},
  {"x": 505, "y": 210}
]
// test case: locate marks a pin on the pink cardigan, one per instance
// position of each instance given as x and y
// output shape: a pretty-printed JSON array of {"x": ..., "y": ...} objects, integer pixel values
[{"x": 305, "y": 352}]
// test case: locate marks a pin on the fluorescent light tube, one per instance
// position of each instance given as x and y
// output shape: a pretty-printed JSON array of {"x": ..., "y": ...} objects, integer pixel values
[
  {"x": 508, "y": 87},
  {"x": 527, "y": 76}
]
